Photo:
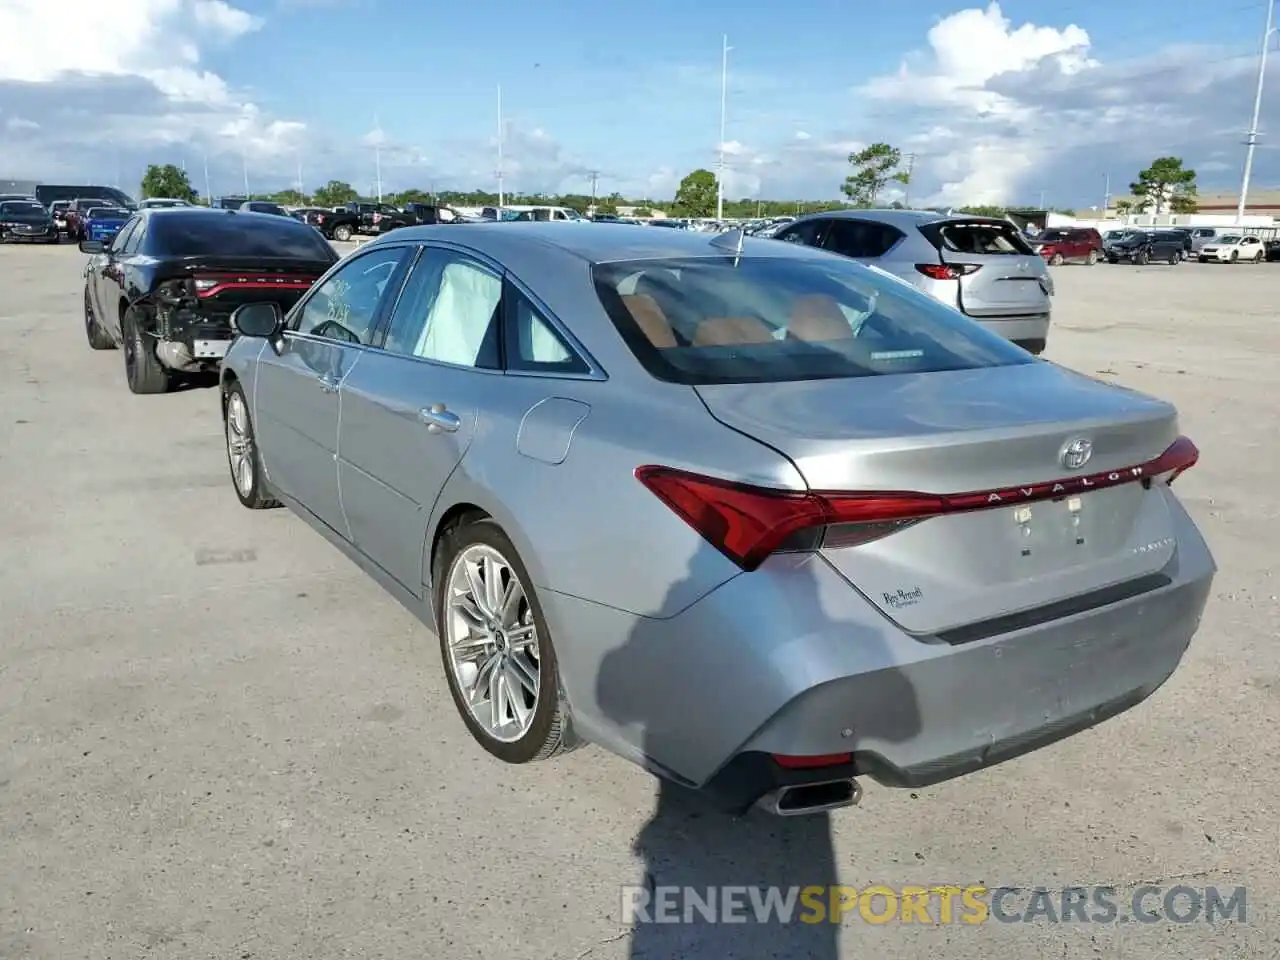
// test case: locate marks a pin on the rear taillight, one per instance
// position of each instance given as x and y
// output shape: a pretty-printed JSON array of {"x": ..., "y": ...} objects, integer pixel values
[
  {"x": 811, "y": 762},
  {"x": 748, "y": 523},
  {"x": 210, "y": 285},
  {"x": 947, "y": 271}
]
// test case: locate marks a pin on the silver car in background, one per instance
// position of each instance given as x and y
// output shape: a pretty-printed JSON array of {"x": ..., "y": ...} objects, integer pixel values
[
  {"x": 755, "y": 516},
  {"x": 981, "y": 266}
]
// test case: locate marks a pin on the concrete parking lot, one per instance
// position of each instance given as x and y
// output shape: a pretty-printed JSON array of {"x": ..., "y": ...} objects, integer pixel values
[{"x": 222, "y": 741}]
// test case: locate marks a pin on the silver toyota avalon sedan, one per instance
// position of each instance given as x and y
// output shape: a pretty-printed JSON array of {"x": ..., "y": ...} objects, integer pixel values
[{"x": 752, "y": 514}]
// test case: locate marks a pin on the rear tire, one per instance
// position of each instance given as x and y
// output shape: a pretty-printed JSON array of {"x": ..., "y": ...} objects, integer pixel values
[
  {"x": 1142, "y": 258},
  {"x": 544, "y": 733},
  {"x": 1174, "y": 259},
  {"x": 243, "y": 458},
  {"x": 98, "y": 338},
  {"x": 1092, "y": 258},
  {"x": 142, "y": 368},
  {"x": 1057, "y": 260}
]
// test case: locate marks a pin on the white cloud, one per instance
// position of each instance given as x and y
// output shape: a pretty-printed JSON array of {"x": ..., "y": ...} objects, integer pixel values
[{"x": 221, "y": 17}]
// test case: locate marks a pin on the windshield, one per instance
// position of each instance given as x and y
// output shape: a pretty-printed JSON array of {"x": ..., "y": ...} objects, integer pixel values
[
  {"x": 22, "y": 208},
  {"x": 1229, "y": 238},
  {"x": 220, "y": 234},
  {"x": 707, "y": 320},
  {"x": 108, "y": 213}
]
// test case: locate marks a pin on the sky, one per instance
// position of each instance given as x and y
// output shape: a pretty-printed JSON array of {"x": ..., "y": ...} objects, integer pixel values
[{"x": 1015, "y": 102}]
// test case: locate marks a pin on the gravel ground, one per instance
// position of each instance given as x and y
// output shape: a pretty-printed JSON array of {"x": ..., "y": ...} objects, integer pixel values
[{"x": 223, "y": 741}]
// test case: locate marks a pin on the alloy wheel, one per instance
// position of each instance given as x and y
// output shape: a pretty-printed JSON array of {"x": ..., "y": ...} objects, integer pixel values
[
  {"x": 492, "y": 642},
  {"x": 240, "y": 450}
]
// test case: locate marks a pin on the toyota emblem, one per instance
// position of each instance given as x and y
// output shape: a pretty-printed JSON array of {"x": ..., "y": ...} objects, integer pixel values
[{"x": 1076, "y": 453}]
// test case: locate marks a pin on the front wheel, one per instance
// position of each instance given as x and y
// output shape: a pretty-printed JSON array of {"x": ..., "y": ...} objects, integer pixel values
[
  {"x": 242, "y": 453},
  {"x": 1056, "y": 260},
  {"x": 1142, "y": 259},
  {"x": 342, "y": 233},
  {"x": 1175, "y": 258},
  {"x": 142, "y": 367},
  {"x": 1235, "y": 256},
  {"x": 98, "y": 338},
  {"x": 497, "y": 652}
]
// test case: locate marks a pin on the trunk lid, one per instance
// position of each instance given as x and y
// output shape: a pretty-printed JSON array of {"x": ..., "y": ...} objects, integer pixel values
[
  {"x": 1000, "y": 431},
  {"x": 1010, "y": 278}
]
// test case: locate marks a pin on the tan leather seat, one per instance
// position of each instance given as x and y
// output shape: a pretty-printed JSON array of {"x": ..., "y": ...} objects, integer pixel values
[
  {"x": 726, "y": 331},
  {"x": 817, "y": 317},
  {"x": 650, "y": 319}
]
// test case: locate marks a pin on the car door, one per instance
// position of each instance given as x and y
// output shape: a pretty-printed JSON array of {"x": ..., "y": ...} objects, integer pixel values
[
  {"x": 107, "y": 272},
  {"x": 1249, "y": 247},
  {"x": 297, "y": 388},
  {"x": 409, "y": 408}
]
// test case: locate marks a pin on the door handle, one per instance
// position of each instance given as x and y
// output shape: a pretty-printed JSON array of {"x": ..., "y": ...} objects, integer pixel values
[
  {"x": 328, "y": 384},
  {"x": 438, "y": 419}
]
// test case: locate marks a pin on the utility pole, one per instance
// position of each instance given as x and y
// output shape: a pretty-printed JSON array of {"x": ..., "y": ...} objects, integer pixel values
[
  {"x": 906, "y": 187},
  {"x": 377, "y": 153},
  {"x": 1252, "y": 140},
  {"x": 595, "y": 182},
  {"x": 1106, "y": 193},
  {"x": 724, "y": 103},
  {"x": 244, "y": 159},
  {"x": 1041, "y": 200},
  {"x": 501, "y": 134},
  {"x": 208, "y": 193},
  {"x": 300, "y": 190}
]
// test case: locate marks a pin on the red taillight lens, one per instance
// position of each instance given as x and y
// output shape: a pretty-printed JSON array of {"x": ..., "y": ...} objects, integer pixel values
[
  {"x": 209, "y": 285},
  {"x": 748, "y": 523},
  {"x": 947, "y": 271}
]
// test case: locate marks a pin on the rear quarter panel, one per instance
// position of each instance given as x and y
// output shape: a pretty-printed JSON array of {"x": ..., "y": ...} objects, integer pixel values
[{"x": 587, "y": 527}]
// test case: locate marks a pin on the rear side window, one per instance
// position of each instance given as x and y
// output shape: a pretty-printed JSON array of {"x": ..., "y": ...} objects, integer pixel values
[
  {"x": 808, "y": 233},
  {"x": 227, "y": 234},
  {"x": 861, "y": 238},
  {"x": 765, "y": 319},
  {"x": 976, "y": 237}
]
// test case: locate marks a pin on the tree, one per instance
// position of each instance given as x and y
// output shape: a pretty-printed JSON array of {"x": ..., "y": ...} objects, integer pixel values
[
  {"x": 642, "y": 212},
  {"x": 609, "y": 204},
  {"x": 873, "y": 169},
  {"x": 167, "y": 181},
  {"x": 1166, "y": 186},
  {"x": 1124, "y": 208},
  {"x": 697, "y": 194},
  {"x": 289, "y": 198},
  {"x": 334, "y": 193}
]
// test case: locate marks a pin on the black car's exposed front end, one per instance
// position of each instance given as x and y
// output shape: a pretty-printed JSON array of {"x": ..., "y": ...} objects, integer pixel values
[
  {"x": 193, "y": 301},
  {"x": 28, "y": 229}
]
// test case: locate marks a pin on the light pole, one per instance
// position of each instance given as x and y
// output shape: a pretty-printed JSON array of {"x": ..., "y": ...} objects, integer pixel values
[
  {"x": 1252, "y": 140},
  {"x": 501, "y": 134},
  {"x": 724, "y": 103},
  {"x": 208, "y": 195}
]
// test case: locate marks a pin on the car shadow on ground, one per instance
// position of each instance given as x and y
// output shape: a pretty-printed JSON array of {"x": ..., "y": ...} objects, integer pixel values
[
  {"x": 688, "y": 845},
  {"x": 185, "y": 382}
]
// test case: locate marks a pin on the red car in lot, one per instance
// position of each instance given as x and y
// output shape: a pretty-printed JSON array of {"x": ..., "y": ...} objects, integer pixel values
[{"x": 1070, "y": 243}]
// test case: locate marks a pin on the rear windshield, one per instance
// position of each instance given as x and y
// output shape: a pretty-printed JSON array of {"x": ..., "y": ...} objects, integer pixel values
[
  {"x": 977, "y": 237},
  {"x": 107, "y": 213},
  {"x": 705, "y": 321},
  {"x": 226, "y": 234}
]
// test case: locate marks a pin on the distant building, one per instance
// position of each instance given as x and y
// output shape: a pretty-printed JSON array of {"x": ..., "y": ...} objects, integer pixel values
[{"x": 25, "y": 187}]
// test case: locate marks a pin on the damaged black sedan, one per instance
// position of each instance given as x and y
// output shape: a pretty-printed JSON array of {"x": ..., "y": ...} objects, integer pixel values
[{"x": 165, "y": 286}]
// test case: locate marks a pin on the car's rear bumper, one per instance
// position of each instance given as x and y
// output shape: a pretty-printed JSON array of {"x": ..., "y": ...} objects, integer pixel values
[
  {"x": 1031, "y": 327},
  {"x": 791, "y": 660}
]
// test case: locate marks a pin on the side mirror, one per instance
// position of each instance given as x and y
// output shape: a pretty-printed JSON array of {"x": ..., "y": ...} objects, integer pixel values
[
  {"x": 92, "y": 246},
  {"x": 258, "y": 320}
]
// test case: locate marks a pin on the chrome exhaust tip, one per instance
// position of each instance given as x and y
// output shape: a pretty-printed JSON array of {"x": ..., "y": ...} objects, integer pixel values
[{"x": 807, "y": 798}]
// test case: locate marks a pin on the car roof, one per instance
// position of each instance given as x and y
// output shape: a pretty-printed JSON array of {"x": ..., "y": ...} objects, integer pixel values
[
  {"x": 901, "y": 218},
  {"x": 596, "y": 242}
]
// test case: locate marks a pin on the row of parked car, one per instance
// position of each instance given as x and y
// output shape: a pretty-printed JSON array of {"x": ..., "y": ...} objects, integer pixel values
[
  {"x": 1154, "y": 245},
  {"x": 456, "y": 410}
]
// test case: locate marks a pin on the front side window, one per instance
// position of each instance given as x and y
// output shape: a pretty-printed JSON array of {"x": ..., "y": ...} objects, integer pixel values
[
  {"x": 448, "y": 311},
  {"x": 345, "y": 307},
  {"x": 860, "y": 238},
  {"x": 121, "y": 239},
  {"x": 707, "y": 320}
]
